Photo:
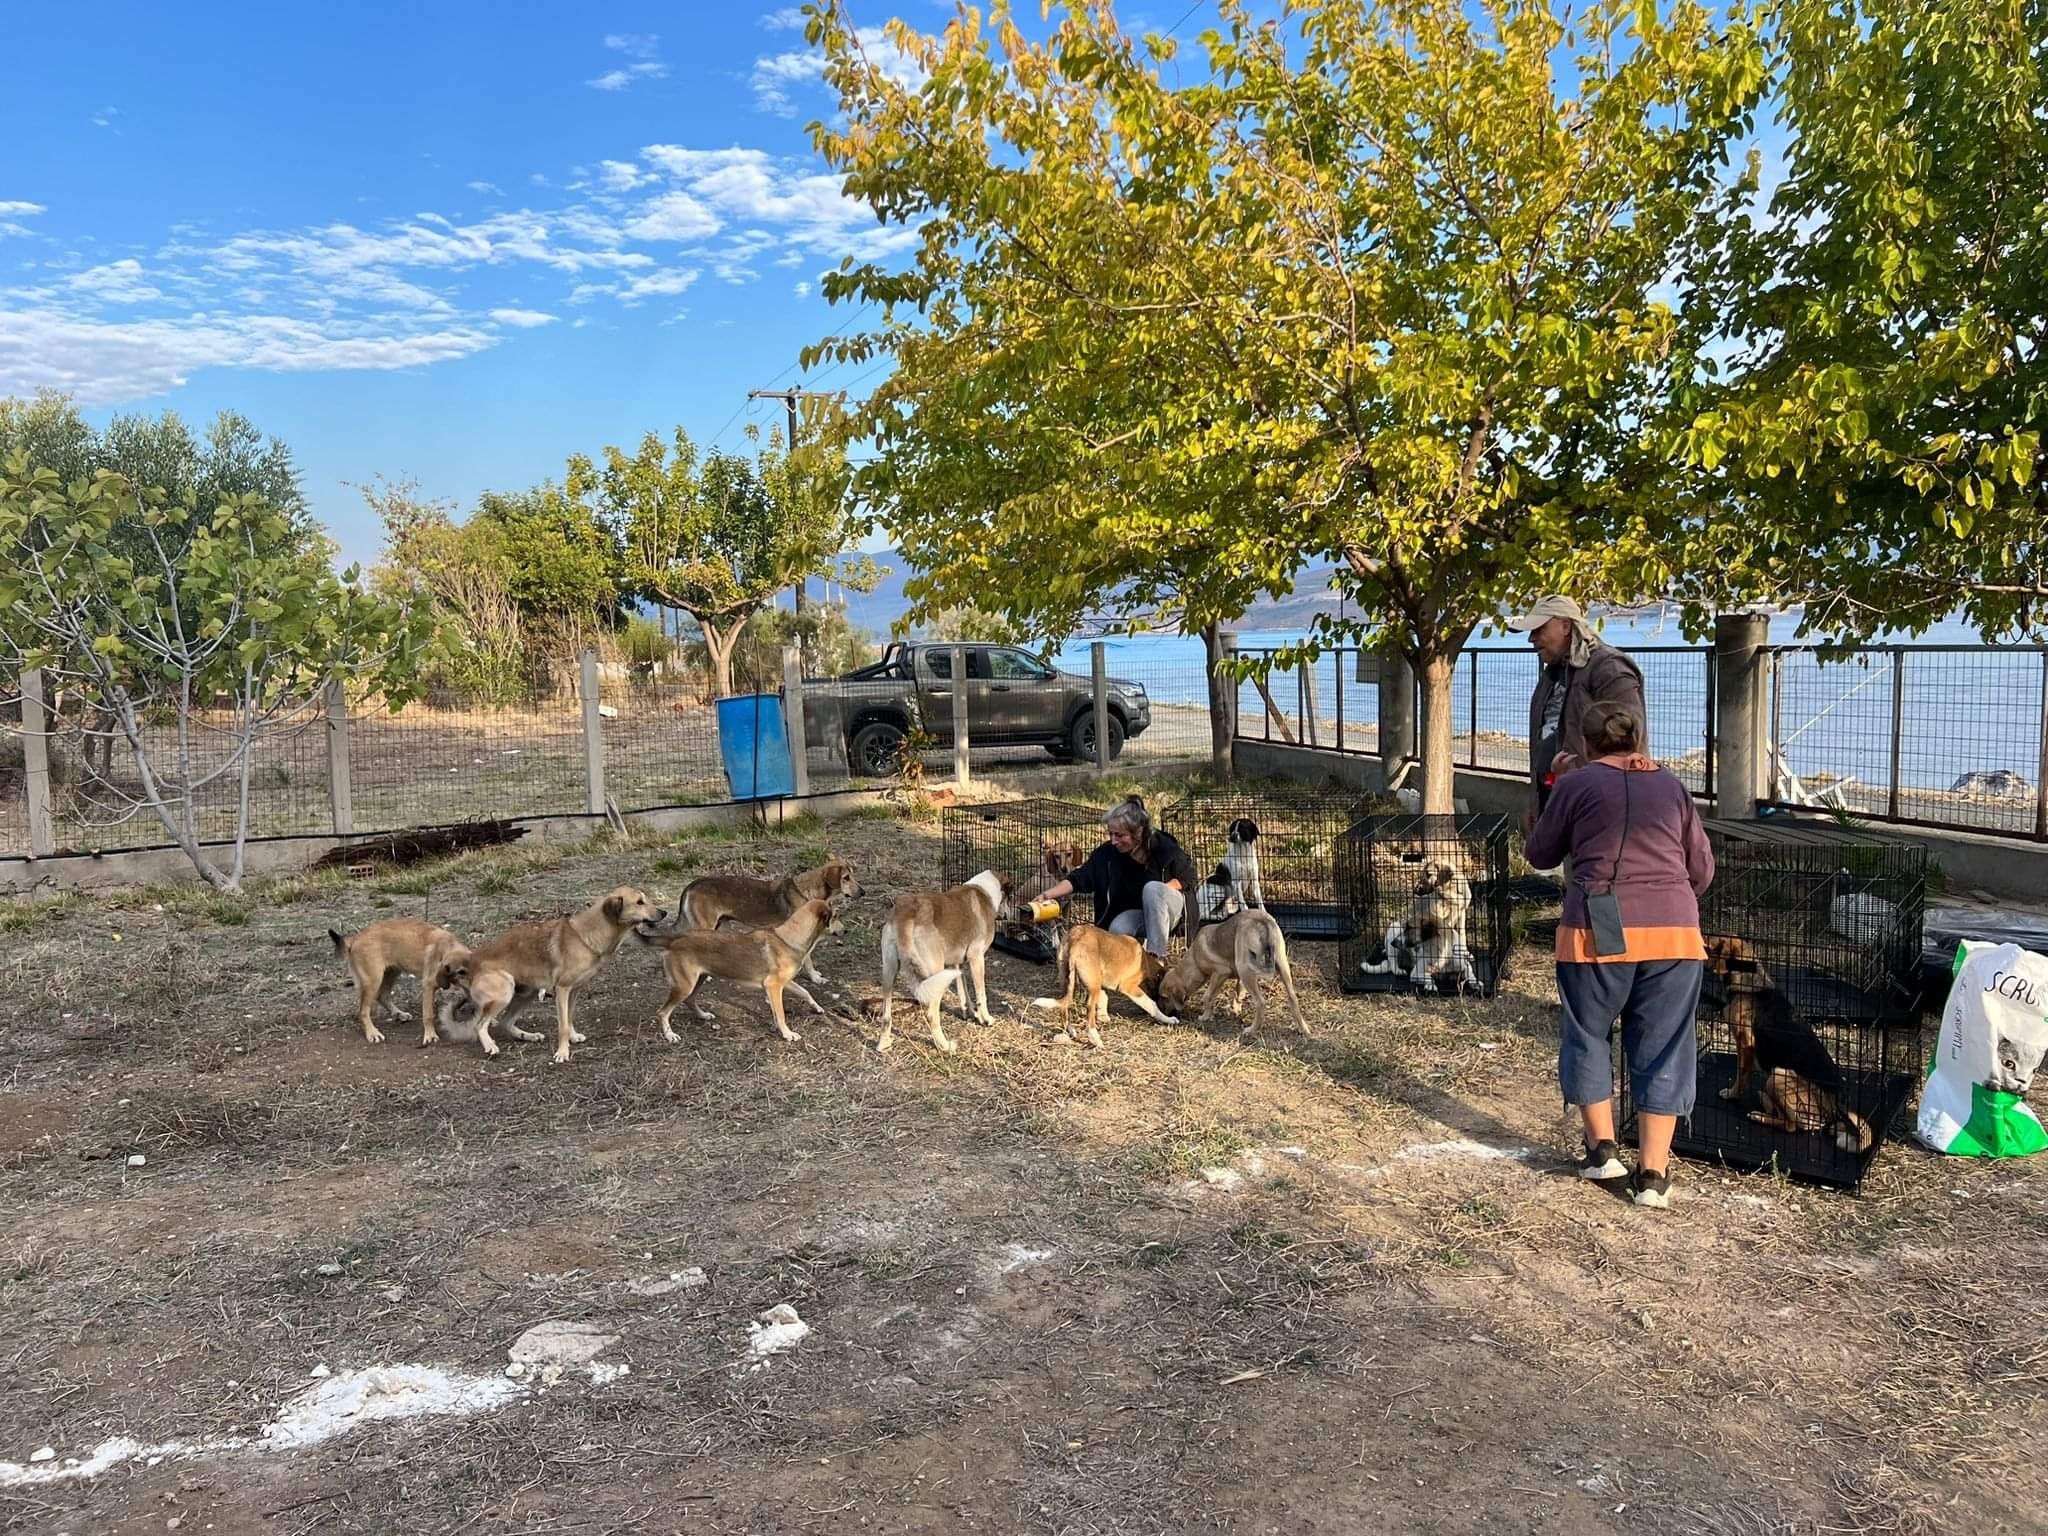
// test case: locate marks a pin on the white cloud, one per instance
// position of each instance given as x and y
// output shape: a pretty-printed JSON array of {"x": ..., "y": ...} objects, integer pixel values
[
  {"x": 658, "y": 284},
  {"x": 488, "y": 188},
  {"x": 538, "y": 179},
  {"x": 645, "y": 48},
  {"x": 19, "y": 209},
  {"x": 803, "y": 290},
  {"x": 100, "y": 363},
  {"x": 523, "y": 319},
  {"x": 753, "y": 186},
  {"x": 621, "y": 175},
  {"x": 104, "y": 118},
  {"x": 674, "y": 216},
  {"x": 118, "y": 282},
  {"x": 788, "y": 19},
  {"x": 776, "y": 75}
]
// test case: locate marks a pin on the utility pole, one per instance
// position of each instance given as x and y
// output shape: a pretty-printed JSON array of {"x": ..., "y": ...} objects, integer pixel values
[{"x": 789, "y": 398}]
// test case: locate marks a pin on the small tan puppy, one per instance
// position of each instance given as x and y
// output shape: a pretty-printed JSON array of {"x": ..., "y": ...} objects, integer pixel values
[
  {"x": 939, "y": 935},
  {"x": 1103, "y": 962},
  {"x": 768, "y": 958},
  {"x": 527, "y": 962},
  {"x": 1246, "y": 948},
  {"x": 381, "y": 953},
  {"x": 712, "y": 899}
]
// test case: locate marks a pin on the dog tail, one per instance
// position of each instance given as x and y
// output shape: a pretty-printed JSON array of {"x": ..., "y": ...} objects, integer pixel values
[
  {"x": 934, "y": 985},
  {"x": 1852, "y": 1132},
  {"x": 340, "y": 940},
  {"x": 658, "y": 939}
]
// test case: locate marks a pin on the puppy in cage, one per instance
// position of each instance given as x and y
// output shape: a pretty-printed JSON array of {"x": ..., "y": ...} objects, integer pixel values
[
  {"x": 1800, "y": 1087},
  {"x": 1427, "y": 941}
]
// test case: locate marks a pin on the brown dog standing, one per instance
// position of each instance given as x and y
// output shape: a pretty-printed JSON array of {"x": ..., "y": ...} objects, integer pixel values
[
  {"x": 1103, "y": 962},
  {"x": 558, "y": 956},
  {"x": 400, "y": 946},
  {"x": 1246, "y": 947},
  {"x": 713, "y": 899},
  {"x": 768, "y": 958}
]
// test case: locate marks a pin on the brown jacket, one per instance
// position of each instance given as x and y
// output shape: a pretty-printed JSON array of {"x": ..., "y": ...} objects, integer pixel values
[{"x": 1596, "y": 671}]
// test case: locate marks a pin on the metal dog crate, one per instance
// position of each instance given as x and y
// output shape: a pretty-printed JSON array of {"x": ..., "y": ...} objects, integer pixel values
[
  {"x": 1299, "y": 830},
  {"x": 1383, "y": 877},
  {"x": 1011, "y": 838},
  {"x": 1831, "y": 919}
]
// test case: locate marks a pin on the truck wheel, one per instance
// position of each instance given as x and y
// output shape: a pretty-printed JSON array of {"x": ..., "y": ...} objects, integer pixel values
[
  {"x": 876, "y": 751},
  {"x": 1081, "y": 738}
]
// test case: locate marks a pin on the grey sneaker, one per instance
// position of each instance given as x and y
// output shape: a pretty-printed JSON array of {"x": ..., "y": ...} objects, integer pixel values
[
  {"x": 1602, "y": 1161},
  {"x": 1650, "y": 1189}
]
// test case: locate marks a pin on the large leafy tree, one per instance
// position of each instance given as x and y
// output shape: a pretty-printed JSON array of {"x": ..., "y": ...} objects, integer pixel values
[
  {"x": 1387, "y": 290},
  {"x": 1873, "y": 448},
  {"x": 218, "y": 623},
  {"x": 720, "y": 536}
]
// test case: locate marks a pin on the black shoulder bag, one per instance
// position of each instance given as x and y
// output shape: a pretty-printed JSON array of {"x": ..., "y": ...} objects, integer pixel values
[{"x": 1603, "y": 911}]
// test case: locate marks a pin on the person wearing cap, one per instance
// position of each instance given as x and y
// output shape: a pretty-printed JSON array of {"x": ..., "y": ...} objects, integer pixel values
[{"x": 1579, "y": 671}]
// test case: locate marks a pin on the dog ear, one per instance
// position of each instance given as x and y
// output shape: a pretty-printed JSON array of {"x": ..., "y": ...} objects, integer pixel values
[{"x": 615, "y": 907}]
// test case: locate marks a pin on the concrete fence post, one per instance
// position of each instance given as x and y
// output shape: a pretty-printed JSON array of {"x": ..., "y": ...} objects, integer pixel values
[
  {"x": 1396, "y": 712},
  {"x": 1742, "y": 746},
  {"x": 340, "y": 792},
  {"x": 35, "y": 759},
  {"x": 793, "y": 719},
  {"x": 593, "y": 736},
  {"x": 1311, "y": 736},
  {"x": 1098, "y": 673},
  {"x": 1223, "y": 728},
  {"x": 962, "y": 770}
]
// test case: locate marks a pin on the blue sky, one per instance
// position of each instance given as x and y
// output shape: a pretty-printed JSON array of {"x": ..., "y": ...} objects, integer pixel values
[{"x": 455, "y": 242}]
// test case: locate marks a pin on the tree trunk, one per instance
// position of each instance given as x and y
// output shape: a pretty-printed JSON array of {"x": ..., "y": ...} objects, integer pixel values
[
  {"x": 800, "y": 598},
  {"x": 1222, "y": 702},
  {"x": 1439, "y": 783},
  {"x": 719, "y": 646}
]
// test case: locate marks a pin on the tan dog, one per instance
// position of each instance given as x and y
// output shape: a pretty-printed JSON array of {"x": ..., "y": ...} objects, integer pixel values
[
  {"x": 525, "y": 963},
  {"x": 712, "y": 899},
  {"x": 769, "y": 958},
  {"x": 1245, "y": 947},
  {"x": 1428, "y": 939},
  {"x": 383, "y": 952},
  {"x": 1103, "y": 962},
  {"x": 938, "y": 935}
]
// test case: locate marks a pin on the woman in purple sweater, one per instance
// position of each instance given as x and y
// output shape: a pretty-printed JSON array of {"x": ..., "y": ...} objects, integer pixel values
[{"x": 1629, "y": 945}]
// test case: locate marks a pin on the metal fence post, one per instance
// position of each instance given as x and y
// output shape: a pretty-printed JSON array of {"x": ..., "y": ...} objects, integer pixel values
[
  {"x": 2041, "y": 768},
  {"x": 1310, "y": 736},
  {"x": 961, "y": 768},
  {"x": 340, "y": 792},
  {"x": 1337, "y": 671},
  {"x": 1898, "y": 726},
  {"x": 1474, "y": 738},
  {"x": 793, "y": 719},
  {"x": 1098, "y": 673},
  {"x": 593, "y": 736},
  {"x": 35, "y": 759}
]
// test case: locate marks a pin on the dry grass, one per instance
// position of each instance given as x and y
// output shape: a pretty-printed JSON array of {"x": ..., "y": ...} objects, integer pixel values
[{"x": 1269, "y": 1284}]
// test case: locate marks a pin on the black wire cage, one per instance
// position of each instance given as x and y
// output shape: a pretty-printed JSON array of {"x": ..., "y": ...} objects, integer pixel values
[
  {"x": 1015, "y": 838},
  {"x": 1428, "y": 902},
  {"x": 1296, "y": 849},
  {"x": 1809, "y": 1025}
]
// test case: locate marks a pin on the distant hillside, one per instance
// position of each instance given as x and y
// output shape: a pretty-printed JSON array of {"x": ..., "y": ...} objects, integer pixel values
[{"x": 876, "y": 611}]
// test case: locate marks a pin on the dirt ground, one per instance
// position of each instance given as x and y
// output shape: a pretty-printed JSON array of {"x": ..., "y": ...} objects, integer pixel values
[{"x": 1334, "y": 1285}]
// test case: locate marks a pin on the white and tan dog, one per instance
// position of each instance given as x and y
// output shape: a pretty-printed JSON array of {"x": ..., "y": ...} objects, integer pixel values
[
  {"x": 1246, "y": 947},
  {"x": 940, "y": 935},
  {"x": 768, "y": 958},
  {"x": 381, "y": 953},
  {"x": 1103, "y": 962},
  {"x": 1428, "y": 939},
  {"x": 526, "y": 963}
]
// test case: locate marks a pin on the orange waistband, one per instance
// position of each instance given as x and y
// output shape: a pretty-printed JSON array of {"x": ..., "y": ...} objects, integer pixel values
[{"x": 1575, "y": 946}]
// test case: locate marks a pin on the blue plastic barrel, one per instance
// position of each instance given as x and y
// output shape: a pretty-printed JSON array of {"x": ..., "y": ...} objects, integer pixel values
[{"x": 755, "y": 745}]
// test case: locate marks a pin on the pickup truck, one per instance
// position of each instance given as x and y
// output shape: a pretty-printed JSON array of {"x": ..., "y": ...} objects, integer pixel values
[{"x": 1013, "y": 699}]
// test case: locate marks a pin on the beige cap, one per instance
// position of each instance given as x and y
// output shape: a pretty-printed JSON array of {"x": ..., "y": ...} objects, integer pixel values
[{"x": 1546, "y": 609}]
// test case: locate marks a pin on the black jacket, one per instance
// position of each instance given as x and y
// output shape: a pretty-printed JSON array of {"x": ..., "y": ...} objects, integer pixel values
[{"x": 1117, "y": 881}]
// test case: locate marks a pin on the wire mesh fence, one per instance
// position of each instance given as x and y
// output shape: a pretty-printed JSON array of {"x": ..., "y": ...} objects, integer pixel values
[
  {"x": 1941, "y": 736},
  {"x": 1947, "y": 736}
]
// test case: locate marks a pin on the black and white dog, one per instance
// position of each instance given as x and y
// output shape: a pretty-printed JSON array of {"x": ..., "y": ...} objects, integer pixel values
[{"x": 1234, "y": 885}]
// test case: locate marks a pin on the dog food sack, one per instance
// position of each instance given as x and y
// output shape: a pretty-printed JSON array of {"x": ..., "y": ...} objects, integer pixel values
[{"x": 1993, "y": 1033}]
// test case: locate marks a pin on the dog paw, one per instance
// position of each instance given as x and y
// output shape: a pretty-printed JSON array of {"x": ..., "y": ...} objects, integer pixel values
[
  {"x": 883, "y": 1045},
  {"x": 427, "y": 1040},
  {"x": 671, "y": 1036},
  {"x": 1730, "y": 1093},
  {"x": 947, "y": 1046},
  {"x": 792, "y": 1036},
  {"x": 490, "y": 1047},
  {"x": 985, "y": 1020},
  {"x": 560, "y": 1057},
  {"x": 374, "y": 1035}
]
